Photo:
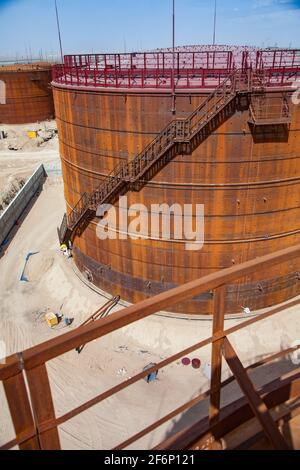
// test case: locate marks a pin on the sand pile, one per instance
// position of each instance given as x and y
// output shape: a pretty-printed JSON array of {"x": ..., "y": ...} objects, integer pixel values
[
  {"x": 37, "y": 265},
  {"x": 10, "y": 190}
]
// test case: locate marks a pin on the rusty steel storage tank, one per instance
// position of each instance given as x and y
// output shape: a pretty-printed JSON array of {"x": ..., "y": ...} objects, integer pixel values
[
  {"x": 238, "y": 154},
  {"x": 26, "y": 94}
]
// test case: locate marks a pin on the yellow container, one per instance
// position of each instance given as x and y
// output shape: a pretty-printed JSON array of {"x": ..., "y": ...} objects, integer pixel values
[
  {"x": 51, "y": 319},
  {"x": 32, "y": 134}
]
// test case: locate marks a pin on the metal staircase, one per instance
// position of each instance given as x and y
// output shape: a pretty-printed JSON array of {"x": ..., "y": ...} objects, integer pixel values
[{"x": 179, "y": 132}]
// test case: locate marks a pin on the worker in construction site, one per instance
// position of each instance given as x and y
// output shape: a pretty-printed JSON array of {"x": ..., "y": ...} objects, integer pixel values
[{"x": 66, "y": 251}]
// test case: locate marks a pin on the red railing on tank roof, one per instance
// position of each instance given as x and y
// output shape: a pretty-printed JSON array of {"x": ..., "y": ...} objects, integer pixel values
[
  {"x": 193, "y": 70},
  {"x": 153, "y": 60}
]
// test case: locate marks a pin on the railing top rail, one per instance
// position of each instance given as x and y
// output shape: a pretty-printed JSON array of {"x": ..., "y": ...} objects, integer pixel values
[
  {"x": 188, "y": 52},
  {"x": 147, "y": 58},
  {"x": 55, "y": 347}
]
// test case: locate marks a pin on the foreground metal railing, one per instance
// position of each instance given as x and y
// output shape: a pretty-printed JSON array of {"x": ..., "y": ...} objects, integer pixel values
[{"x": 32, "y": 409}]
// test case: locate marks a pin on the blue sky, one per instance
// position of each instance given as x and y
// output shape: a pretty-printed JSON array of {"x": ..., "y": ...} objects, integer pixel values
[{"x": 28, "y": 26}]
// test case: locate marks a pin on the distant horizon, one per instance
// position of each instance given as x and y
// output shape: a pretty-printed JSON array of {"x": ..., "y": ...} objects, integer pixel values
[
  {"x": 142, "y": 25},
  {"x": 21, "y": 59}
]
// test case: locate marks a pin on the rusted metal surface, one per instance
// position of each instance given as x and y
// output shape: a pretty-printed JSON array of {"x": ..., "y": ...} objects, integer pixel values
[
  {"x": 28, "y": 93},
  {"x": 256, "y": 403},
  {"x": 42, "y": 404},
  {"x": 200, "y": 436},
  {"x": 216, "y": 355},
  {"x": 20, "y": 410},
  {"x": 33, "y": 361},
  {"x": 170, "y": 142},
  {"x": 247, "y": 178},
  {"x": 269, "y": 110}
]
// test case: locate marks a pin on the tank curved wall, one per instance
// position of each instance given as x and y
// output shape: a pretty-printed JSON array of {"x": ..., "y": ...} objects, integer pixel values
[
  {"x": 28, "y": 94},
  {"x": 248, "y": 179}
]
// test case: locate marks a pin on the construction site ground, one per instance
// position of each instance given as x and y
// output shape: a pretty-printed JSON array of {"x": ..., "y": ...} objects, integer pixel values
[{"x": 54, "y": 286}]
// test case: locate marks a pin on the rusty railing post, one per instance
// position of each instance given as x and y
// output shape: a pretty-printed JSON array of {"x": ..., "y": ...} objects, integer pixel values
[
  {"x": 20, "y": 411},
  {"x": 42, "y": 404},
  {"x": 216, "y": 354},
  {"x": 256, "y": 403}
]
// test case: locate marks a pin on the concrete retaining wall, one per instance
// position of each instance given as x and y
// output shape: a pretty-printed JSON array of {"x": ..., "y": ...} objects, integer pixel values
[
  {"x": 53, "y": 168},
  {"x": 12, "y": 213}
]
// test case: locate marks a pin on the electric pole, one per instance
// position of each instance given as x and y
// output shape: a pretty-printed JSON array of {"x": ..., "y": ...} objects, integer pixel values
[
  {"x": 173, "y": 67},
  {"x": 215, "y": 23},
  {"x": 59, "y": 34}
]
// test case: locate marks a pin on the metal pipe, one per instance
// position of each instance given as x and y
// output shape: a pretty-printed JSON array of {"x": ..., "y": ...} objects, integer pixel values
[
  {"x": 59, "y": 33},
  {"x": 173, "y": 65},
  {"x": 215, "y": 23}
]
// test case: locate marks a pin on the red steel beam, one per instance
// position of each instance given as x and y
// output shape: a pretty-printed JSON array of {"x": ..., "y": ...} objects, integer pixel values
[
  {"x": 20, "y": 411},
  {"x": 256, "y": 403},
  {"x": 197, "y": 400},
  {"x": 216, "y": 354},
  {"x": 42, "y": 404},
  {"x": 200, "y": 435}
]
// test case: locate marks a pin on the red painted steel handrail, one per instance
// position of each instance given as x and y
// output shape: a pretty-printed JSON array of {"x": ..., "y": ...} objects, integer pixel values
[{"x": 194, "y": 70}]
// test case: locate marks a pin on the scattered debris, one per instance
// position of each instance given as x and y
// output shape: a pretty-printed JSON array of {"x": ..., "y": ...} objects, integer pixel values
[
  {"x": 196, "y": 363},
  {"x": 51, "y": 319},
  {"x": 246, "y": 310},
  {"x": 32, "y": 134},
  {"x": 39, "y": 315},
  {"x": 122, "y": 348},
  {"x": 186, "y": 361},
  {"x": 122, "y": 371},
  {"x": 207, "y": 370},
  {"x": 68, "y": 321},
  {"x": 153, "y": 375},
  {"x": 26, "y": 137},
  {"x": 13, "y": 147},
  {"x": 47, "y": 134},
  {"x": 3, "y": 135},
  {"x": 144, "y": 352}
]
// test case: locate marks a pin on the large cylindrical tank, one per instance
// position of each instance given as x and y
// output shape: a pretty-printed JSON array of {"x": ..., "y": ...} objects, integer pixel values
[
  {"x": 27, "y": 92},
  {"x": 247, "y": 176}
]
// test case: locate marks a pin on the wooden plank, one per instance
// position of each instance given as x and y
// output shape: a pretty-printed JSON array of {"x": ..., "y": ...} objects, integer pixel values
[
  {"x": 42, "y": 404},
  {"x": 256, "y": 403},
  {"x": 216, "y": 355},
  {"x": 20, "y": 411}
]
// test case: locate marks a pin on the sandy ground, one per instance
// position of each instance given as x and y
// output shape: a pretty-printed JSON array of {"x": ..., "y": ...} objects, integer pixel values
[
  {"x": 23, "y": 162},
  {"x": 75, "y": 378}
]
